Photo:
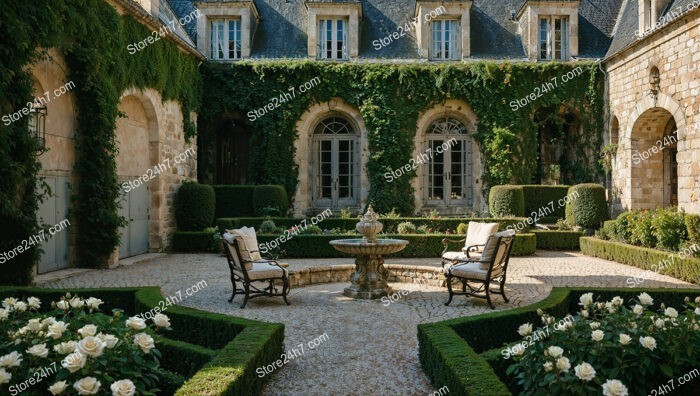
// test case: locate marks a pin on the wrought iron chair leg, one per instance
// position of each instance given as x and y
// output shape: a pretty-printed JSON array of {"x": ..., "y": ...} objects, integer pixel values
[
  {"x": 503, "y": 290},
  {"x": 285, "y": 290},
  {"x": 449, "y": 289},
  {"x": 247, "y": 294},
  {"x": 488, "y": 295},
  {"x": 233, "y": 282}
]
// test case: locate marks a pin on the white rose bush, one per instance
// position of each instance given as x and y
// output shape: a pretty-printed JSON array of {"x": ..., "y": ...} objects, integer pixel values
[
  {"x": 71, "y": 348},
  {"x": 614, "y": 348}
]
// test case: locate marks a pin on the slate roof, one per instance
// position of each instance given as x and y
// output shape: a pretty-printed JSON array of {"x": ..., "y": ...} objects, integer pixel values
[{"x": 605, "y": 27}]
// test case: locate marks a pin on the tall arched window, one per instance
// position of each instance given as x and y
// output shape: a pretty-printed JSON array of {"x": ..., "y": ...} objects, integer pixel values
[
  {"x": 335, "y": 164},
  {"x": 447, "y": 150}
]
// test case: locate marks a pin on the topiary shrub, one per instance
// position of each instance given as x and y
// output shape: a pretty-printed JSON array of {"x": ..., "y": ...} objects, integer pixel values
[
  {"x": 268, "y": 227},
  {"x": 538, "y": 197},
  {"x": 692, "y": 224},
  {"x": 194, "y": 206},
  {"x": 506, "y": 201},
  {"x": 270, "y": 200},
  {"x": 587, "y": 206},
  {"x": 668, "y": 226},
  {"x": 234, "y": 201},
  {"x": 406, "y": 228}
]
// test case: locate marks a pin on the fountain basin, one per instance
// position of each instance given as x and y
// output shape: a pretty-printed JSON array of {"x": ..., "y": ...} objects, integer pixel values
[{"x": 363, "y": 247}]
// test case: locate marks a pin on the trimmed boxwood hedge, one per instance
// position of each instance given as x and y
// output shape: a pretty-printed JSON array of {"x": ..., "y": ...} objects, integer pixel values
[
  {"x": 221, "y": 351},
  {"x": 588, "y": 207},
  {"x": 193, "y": 241},
  {"x": 456, "y": 352},
  {"x": 558, "y": 240},
  {"x": 234, "y": 200},
  {"x": 270, "y": 197},
  {"x": 507, "y": 201},
  {"x": 686, "y": 269},
  {"x": 390, "y": 225},
  {"x": 539, "y": 197},
  {"x": 194, "y": 206}
]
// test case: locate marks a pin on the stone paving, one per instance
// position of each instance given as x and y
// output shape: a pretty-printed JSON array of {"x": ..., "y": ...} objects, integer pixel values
[{"x": 371, "y": 346}]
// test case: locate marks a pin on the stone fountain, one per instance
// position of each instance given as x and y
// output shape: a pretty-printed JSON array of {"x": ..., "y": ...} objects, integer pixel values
[{"x": 369, "y": 281}]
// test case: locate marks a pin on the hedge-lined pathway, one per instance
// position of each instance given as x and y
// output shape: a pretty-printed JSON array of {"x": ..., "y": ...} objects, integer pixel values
[{"x": 371, "y": 348}]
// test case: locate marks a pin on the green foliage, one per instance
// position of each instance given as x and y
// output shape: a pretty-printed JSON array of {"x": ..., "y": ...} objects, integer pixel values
[
  {"x": 462, "y": 229},
  {"x": 312, "y": 230},
  {"x": 669, "y": 228},
  {"x": 406, "y": 228},
  {"x": 208, "y": 240},
  {"x": 540, "y": 197},
  {"x": 268, "y": 227},
  {"x": 680, "y": 267},
  {"x": 270, "y": 201},
  {"x": 194, "y": 206},
  {"x": 234, "y": 200},
  {"x": 641, "y": 231},
  {"x": 692, "y": 224},
  {"x": 587, "y": 207},
  {"x": 506, "y": 201},
  {"x": 558, "y": 240},
  {"x": 390, "y": 99}
]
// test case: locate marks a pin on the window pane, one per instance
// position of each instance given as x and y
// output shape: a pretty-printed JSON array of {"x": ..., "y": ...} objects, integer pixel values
[
  {"x": 544, "y": 30},
  {"x": 557, "y": 38},
  {"x": 339, "y": 39},
  {"x": 564, "y": 38},
  {"x": 329, "y": 39}
]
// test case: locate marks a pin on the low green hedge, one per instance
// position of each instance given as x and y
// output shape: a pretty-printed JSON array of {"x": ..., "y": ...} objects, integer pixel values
[
  {"x": 194, "y": 241},
  {"x": 390, "y": 225},
  {"x": 506, "y": 201},
  {"x": 456, "y": 352},
  {"x": 686, "y": 269},
  {"x": 234, "y": 200},
  {"x": 558, "y": 240},
  {"x": 424, "y": 245},
  {"x": 220, "y": 352},
  {"x": 270, "y": 200},
  {"x": 539, "y": 197}
]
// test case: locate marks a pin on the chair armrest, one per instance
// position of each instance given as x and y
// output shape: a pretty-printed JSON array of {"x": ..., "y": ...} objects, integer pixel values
[
  {"x": 446, "y": 242},
  {"x": 273, "y": 263},
  {"x": 463, "y": 262}
]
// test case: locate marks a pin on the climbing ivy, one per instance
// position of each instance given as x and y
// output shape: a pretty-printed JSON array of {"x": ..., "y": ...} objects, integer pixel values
[
  {"x": 93, "y": 37},
  {"x": 390, "y": 99}
]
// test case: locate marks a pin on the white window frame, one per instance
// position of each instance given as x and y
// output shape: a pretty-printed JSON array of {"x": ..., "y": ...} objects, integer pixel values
[
  {"x": 445, "y": 42},
  {"x": 221, "y": 45},
  {"x": 323, "y": 40},
  {"x": 553, "y": 44}
]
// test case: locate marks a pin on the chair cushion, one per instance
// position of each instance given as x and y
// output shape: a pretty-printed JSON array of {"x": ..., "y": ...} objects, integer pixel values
[
  {"x": 469, "y": 271},
  {"x": 248, "y": 243},
  {"x": 263, "y": 270},
  {"x": 489, "y": 252},
  {"x": 455, "y": 256},
  {"x": 479, "y": 233}
]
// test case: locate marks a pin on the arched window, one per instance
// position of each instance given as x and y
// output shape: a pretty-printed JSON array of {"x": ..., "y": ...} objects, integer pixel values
[
  {"x": 447, "y": 152},
  {"x": 335, "y": 164},
  {"x": 615, "y": 131}
]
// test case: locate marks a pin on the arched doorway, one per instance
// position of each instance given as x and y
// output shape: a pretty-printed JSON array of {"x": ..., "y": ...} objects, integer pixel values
[
  {"x": 232, "y": 153},
  {"x": 654, "y": 175},
  {"x": 335, "y": 163}
]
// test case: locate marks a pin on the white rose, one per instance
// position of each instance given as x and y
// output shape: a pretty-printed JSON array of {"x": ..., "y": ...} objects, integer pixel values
[
  {"x": 65, "y": 348},
  {"x": 34, "y": 325},
  {"x": 585, "y": 371},
  {"x": 638, "y": 309},
  {"x": 625, "y": 339},
  {"x": 123, "y": 388},
  {"x": 645, "y": 300},
  {"x": 12, "y": 359},
  {"x": 58, "y": 388},
  {"x": 93, "y": 303},
  {"x": 136, "y": 323},
  {"x": 563, "y": 364},
  {"x": 659, "y": 323},
  {"x": 5, "y": 377},
  {"x": 74, "y": 362},
  {"x": 594, "y": 325},
  {"x": 87, "y": 386},
  {"x": 21, "y": 306},
  {"x": 610, "y": 307},
  {"x": 648, "y": 342},
  {"x": 617, "y": 301},
  {"x": 48, "y": 322},
  {"x": 697, "y": 311},
  {"x": 39, "y": 350},
  {"x": 671, "y": 312},
  {"x": 4, "y": 314},
  {"x": 584, "y": 313},
  {"x": 614, "y": 388},
  {"x": 586, "y": 299},
  {"x": 109, "y": 340},
  {"x": 9, "y": 302},
  {"x": 34, "y": 302},
  {"x": 547, "y": 366},
  {"x": 555, "y": 351},
  {"x": 75, "y": 302},
  {"x": 56, "y": 330},
  {"x": 161, "y": 320},
  {"x": 88, "y": 330},
  {"x": 144, "y": 341},
  {"x": 63, "y": 305},
  {"x": 525, "y": 329},
  {"x": 597, "y": 335},
  {"x": 91, "y": 346}
]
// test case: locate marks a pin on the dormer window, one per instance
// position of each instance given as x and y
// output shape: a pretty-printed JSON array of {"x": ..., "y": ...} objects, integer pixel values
[
  {"x": 333, "y": 39},
  {"x": 554, "y": 38},
  {"x": 446, "y": 39},
  {"x": 226, "y": 39}
]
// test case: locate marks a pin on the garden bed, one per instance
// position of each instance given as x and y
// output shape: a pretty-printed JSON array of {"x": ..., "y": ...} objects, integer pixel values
[
  {"x": 218, "y": 354},
  {"x": 464, "y": 353}
]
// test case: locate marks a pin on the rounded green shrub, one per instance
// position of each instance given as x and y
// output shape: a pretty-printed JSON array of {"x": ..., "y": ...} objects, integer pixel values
[
  {"x": 194, "y": 207},
  {"x": 406, "y": 228},
  {"x": 270, "y": 200},
  {"x": 462, "y": 228},
  {"x": 587, "y": 206},
  {"x": 268, "y": 227},
  {"x": 641, "y": 229},
  {"x": 312, "y": 230},
  {"x": 668, "y": 226},
  {"x": 692, "y": 224},
  {"x": 507, "y": 201}
]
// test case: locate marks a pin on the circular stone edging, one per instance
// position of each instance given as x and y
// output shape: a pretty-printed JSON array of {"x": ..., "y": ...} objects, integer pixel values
[{"x": 398, "y": 273}]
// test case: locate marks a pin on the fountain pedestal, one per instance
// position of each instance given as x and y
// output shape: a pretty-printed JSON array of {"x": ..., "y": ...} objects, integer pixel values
[{"x": 370, "y": 279}]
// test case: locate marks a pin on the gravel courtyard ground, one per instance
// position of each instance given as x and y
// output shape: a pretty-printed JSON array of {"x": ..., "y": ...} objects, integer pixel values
[{"x": 371, "y": 346}]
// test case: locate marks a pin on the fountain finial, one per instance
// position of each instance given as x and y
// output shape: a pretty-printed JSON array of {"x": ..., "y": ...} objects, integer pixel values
[{"x": 369, "y": 226}]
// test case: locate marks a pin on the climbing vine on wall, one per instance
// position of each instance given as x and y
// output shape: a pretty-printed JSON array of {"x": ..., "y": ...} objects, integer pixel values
[
  {"x": 93, "y": 37},
  {"x": 390, "y": 99}
]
